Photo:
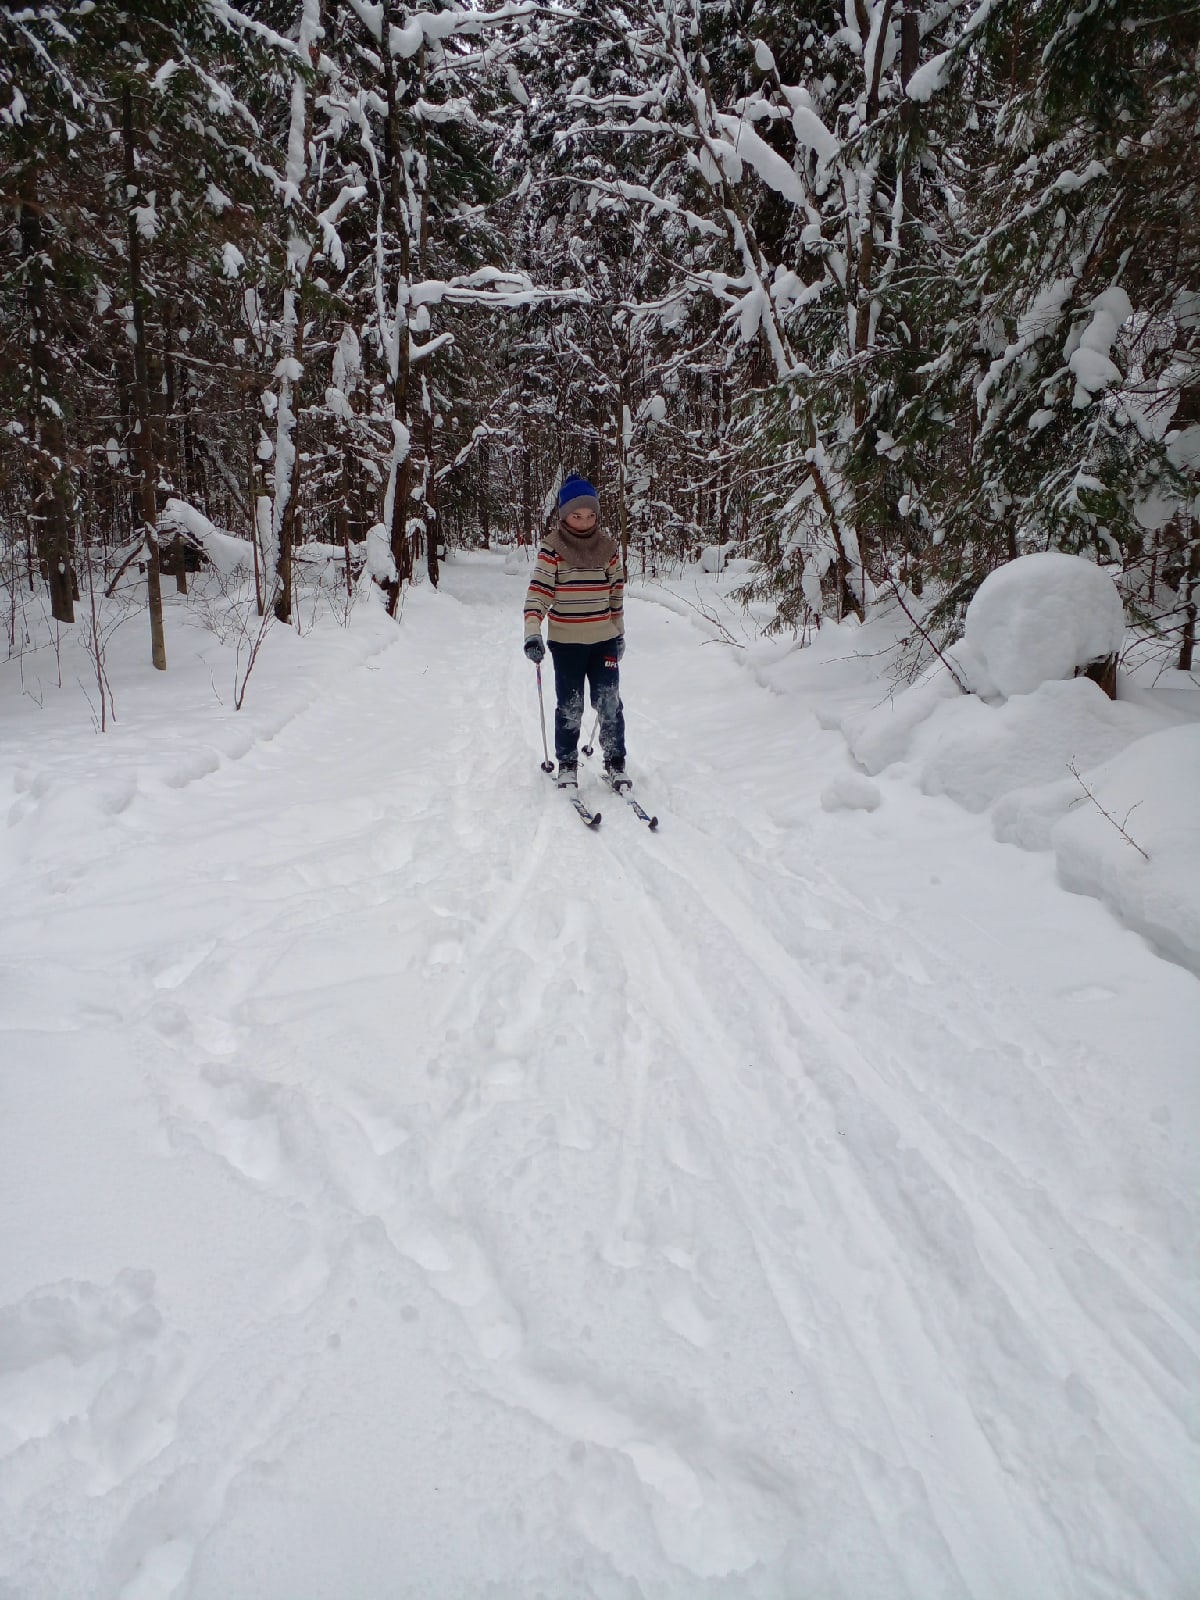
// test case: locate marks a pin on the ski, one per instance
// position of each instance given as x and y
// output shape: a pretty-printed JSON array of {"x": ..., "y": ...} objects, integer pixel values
[
  {"x": 625, "y": 792},
  {"x": 638, "y": 811},
  {"x": 590, "y": 818}
]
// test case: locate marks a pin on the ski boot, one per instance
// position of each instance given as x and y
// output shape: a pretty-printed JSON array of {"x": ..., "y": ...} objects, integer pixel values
[{"x": 617, "y": 778}]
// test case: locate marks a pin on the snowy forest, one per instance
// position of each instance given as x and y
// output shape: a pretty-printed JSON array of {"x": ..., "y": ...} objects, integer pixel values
[
  {"x": 877, "y": 294},
  {"x": 781, "y": 1186}
]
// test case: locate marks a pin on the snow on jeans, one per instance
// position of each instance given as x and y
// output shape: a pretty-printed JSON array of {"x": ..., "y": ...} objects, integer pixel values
[{"x": 597, "y": 664}]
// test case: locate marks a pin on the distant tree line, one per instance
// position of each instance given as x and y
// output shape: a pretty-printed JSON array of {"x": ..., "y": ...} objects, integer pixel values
[{"x": 881, "y": 293}]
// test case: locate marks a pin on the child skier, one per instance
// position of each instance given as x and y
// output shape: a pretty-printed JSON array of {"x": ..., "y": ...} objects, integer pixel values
[{"x": 578, "y": 580}]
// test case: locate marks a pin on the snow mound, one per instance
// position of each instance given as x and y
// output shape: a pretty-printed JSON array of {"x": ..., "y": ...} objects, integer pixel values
[
  {"x": 518, "y": 559},
  {"x": 1149, "y": 789},
  {"x": 851, "y": 792},
  {"x": 1040, "y": 617}
]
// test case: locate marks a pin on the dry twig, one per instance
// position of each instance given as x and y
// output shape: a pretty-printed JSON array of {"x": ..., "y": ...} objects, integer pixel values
[{"x": 1074, "y": 771}]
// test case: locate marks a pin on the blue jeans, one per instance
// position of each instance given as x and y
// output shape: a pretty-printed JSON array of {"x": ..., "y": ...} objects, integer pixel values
[{"x": 595, "y": 664}]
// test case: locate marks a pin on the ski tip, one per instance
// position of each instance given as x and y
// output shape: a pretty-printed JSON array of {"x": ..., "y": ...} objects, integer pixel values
[
  {"x": 652, "y": 824},
  {"x": 595, "y": 822}
]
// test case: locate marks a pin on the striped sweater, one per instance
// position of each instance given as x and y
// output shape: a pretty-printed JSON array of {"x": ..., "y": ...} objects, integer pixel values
[{"x": 585, "y": 604}]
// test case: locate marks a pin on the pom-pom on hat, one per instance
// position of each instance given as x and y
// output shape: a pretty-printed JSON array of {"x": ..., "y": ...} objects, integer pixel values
[{"x": 577, "y": 494}]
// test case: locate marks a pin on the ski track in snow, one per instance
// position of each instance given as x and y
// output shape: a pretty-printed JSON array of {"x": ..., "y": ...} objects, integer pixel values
[{"x": 630, "y": 1187}]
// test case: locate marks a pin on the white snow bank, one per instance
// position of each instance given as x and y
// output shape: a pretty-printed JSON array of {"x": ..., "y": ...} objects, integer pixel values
[
  {"x": 975, "y": 753},
  {"x": 1027, "y": 759},
  {"x": 227, "y": 553},
  {"x": 882, "y": 735},
  {"x": 1042, "y": 616},
  {"x": 1150, "y": 790}
]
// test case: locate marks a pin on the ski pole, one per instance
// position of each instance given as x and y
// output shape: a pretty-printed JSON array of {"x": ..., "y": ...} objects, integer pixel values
[{"x": 547, "y": 764}]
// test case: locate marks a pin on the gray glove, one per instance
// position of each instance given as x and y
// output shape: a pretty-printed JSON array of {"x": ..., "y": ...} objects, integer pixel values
[{"x": 535, "y": 649}]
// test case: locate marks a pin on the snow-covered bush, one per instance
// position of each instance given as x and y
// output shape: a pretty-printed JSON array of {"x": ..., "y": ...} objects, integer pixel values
[
  {"x": 1038, "y": 618},
  {"x": 715, "y": 557},
  {"x": 227, "y": 553}
]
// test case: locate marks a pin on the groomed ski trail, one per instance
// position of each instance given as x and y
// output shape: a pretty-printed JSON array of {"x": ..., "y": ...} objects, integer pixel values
[{"x": 588, "y": 1214}]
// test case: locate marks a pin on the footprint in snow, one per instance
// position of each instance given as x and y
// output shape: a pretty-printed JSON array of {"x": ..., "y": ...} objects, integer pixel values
[
  {"x": 459, "y": 1271},
  {"x": 88, "y": 1373},
  {"x": 684, "y": 1317},
  {"x": 681, "y": 1152},
  {"x": 575, "y": 1128}
]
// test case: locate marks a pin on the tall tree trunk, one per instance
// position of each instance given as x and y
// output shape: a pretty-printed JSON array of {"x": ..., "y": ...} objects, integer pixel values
[
  {"x": 254, "y": 499},
  {"x": 51, "y": 524},
  {"x": 526, "y": 493},
  {"x": 1191, "y": 584},
  {"x": 623, "y": 424},
  {"x": 287, "y": 470},
  {"x": 723, "y": 473},
  {"x": 398, "y": 540},
  {"x": 485, "y": 493},
  {"x": 174, "y": 475},
  {"x": 143, "y": 424},
  {"x": 400, "y": 358},
  {"x": 432, "y": 535},
  {"x": 343, "y": 522},
  {"x": 278, "y": 560}
]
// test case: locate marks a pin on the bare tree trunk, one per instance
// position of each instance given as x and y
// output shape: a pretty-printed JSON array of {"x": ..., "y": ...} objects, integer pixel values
[
  {"x": 287, "y": 453},
  {"x": 622, "y": 506},
  {"x": 431, "y": 519},
  {"x": 252, "y": 500},
  {"x": 51, "y": 525},
  {"x": 526, "y": 494},
  {"x": 401, "y": 544},
  {"x": 288, "y": 513},
  {"x": 723, "y": 474},
  {"x": 1191, "y": 583},
  {"x": 143, "y": 425},
  {"x": 485, "y": 493},
  {"x": 174, "y": 475},
  {"x": 401, "y": 354},
  {"x": 343, "y": 521},
  {"x": 910, "y": 50}
]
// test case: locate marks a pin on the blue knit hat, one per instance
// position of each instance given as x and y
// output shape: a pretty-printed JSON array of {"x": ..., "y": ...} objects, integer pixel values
[{"x": 577, "y": 494}]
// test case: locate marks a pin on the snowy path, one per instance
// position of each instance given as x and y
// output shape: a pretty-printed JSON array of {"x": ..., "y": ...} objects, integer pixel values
[{"x": 755, "y": 1218}]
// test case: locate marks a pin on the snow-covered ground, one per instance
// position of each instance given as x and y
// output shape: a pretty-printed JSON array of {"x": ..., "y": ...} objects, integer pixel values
[{"x": 407, "y": 1192}]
